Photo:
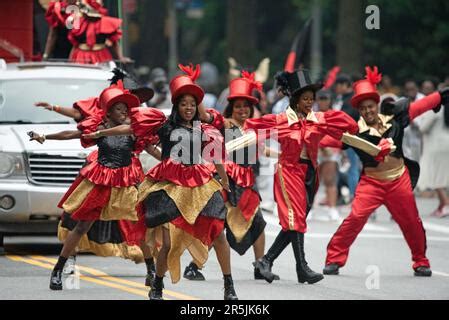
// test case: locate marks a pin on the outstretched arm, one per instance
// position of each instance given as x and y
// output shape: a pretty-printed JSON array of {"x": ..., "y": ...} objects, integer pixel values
[
  {"x": 63, "y": 135},
  {"x": 122, "y": 130},
  {"x": 432, "y": 101},
  {"x": 65, "y": 111}
]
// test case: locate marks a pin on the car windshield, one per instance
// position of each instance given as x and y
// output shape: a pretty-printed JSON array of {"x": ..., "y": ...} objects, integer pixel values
[{"x": 17, "y": 98}]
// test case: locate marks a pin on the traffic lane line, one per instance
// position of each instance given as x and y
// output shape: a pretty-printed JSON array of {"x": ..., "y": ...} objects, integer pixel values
[
  {"x": 104, "y": 275},
  {"x": 83, "y": 277}
]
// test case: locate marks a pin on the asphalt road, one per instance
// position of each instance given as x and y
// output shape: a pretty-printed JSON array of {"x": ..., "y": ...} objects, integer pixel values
[{"x": 379, "y": 267}]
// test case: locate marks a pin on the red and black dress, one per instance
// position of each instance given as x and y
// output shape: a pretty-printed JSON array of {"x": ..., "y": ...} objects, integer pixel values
[
  {"x": 106, "y": 192},
  {"x": 91, "y": 41},
  {"x": 244, "y": 220},
  {"x": 180, "y": 192},
  {"x": 56, "y": 17}
]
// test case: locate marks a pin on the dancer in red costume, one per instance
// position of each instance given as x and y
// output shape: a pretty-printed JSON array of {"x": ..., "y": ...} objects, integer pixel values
[
  {"x": 389, "y": 183},
  {"x": 180, "y": 192},
  {"x": 58, "y": 45},
  {"x": 96, "y": 36},
  {"x": 299, "y": 131},
  {"x": 106, "y": 188},
  {"x": 244, "y": 221},
  {"x": 106, "y": 238}
]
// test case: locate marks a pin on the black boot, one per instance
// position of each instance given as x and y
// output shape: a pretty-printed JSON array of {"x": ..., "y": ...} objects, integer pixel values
[
  {"x": 305, "y": 274},
  {"x": 229, "y": 292},
  {"x": 157, "y": 288},
  {"x": 262, "y": 268},
  {"x": 280, "y": 243},
  {"x": 423, "y": 272},
  {"x": 331, "y": 269},
  {"x": 258, "y": 275},
  {"x": 56, "y": 274},
  {"x": 56, "y": 280},
  {"x": 192, "y": 273},
  {"x": 151, "y": 272}
]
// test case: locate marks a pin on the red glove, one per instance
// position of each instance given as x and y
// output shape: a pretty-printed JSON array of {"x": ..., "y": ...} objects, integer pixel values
[{"x": 385, "y": 146}]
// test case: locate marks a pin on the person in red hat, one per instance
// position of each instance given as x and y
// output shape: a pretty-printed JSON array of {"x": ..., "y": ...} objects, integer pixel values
[
  {"x": 105, "y": 238},
  {"x": 390, "y": 182},
  {"x": 95, "y": 35},
  {"x": 57, "y": 46},
  {"x": 299, "y": 131},
  {"x": 244, "y": 221},
  {"x": 180, "y": 192},
  {"x": 106, "y": 188}
]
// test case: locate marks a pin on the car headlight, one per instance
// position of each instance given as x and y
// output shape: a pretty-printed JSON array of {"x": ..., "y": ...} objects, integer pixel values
[{"x": 11, "y": 165}]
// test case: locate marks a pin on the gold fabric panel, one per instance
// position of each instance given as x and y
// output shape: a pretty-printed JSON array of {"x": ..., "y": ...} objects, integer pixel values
[
  {"x": 190, "y": 201},
  {"x": 291, "y": 216},
  {"x": 76, "y": 198},
  {"x": 179, "y": 241},
  {"x": 387, "y": 175},
  {"x": 237, "y": 223},
  {"x": 121, "y": 250},
  {"x": 122, "y": 205}
]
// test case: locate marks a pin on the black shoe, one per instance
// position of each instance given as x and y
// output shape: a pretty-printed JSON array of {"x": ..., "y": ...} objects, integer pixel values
[
  {"x": 423, "y": 272},
  {"x": 331, "y": 269},
  {"x": 229, "y": 292},
  {"x": 156, "y": 289},
  {"x": 192, "y": 273},
  {"x": 258, "y": 276},
  {"x": 262, "y": 268},
  {"x": 304, "y": 273},
  {"x": 56, "y": 280}
]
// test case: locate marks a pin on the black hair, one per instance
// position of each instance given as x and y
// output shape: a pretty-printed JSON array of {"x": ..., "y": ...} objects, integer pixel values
[{"x": 227, "y": 113}]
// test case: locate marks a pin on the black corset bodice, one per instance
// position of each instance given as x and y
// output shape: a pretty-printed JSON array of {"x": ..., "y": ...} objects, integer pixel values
[
  {"x": 181, "y": 144},
  {"x": 115, "y": 152}
]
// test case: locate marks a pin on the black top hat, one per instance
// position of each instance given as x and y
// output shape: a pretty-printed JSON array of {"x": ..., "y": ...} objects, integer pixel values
[
  {"x": 143, "y": 93},
  {"x": 294, "y": 83}
]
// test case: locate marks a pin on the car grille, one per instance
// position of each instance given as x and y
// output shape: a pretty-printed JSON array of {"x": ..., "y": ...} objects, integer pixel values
[{"x": 53, "y": 169}]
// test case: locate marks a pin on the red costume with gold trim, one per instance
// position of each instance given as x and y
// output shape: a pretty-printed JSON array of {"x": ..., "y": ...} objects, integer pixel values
[
  {"x": 244, "y": 220},
  {"x": 181, "y": 192},
  {"x": 106, "y": 187},
  {"x": 392, "y": 188}
]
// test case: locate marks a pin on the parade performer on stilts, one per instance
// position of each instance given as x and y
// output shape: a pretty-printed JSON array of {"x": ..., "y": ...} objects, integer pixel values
[
  {"x": 58, "y": 45},
  {"x": 389, "y": 183},
  {"x": 96, "y": 35},
  {"x": 180, "y": 192},
  {"x": 244, "y": 221}
]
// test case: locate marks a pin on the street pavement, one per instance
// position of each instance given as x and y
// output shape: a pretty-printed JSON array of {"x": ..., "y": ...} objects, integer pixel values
[{"x": 379, "y": 267}]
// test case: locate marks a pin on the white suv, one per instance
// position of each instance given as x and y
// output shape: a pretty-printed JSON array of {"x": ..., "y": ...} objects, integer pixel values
[{"x": 34, "y": 177}]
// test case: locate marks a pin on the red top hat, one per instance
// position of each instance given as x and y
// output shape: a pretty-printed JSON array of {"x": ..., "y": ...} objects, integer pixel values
[
  {"x": 185, "y": 84},
  {"x": 243, "y": 87},
  {"x": 366, "y": 89},
  {"x": 114, "y": 94}
]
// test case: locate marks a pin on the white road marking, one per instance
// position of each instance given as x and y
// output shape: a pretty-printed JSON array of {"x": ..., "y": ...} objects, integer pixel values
[{"x": 436, "y": 227}]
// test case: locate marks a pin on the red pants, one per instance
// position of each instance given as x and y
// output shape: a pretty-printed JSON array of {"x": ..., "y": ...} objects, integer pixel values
[
  {"x": 294, "y": 187},
  {"x": 370, "y": 194}
]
